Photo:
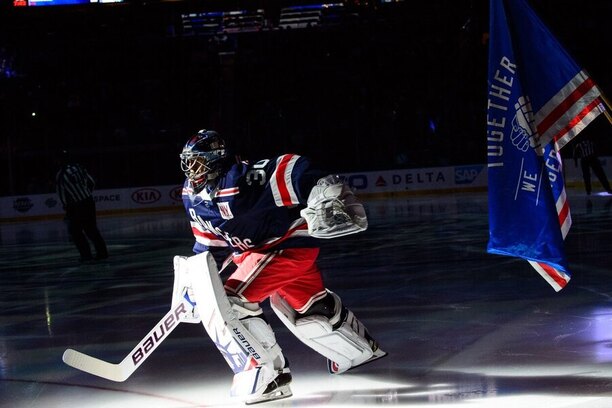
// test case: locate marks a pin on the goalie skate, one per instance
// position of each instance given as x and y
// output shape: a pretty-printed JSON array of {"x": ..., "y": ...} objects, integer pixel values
[
  {"x": 242, "y": 335},
  {"x": 339, "y": 368},
  {"x": 277, "y": 389},
  {"x": 351, "y": 324}
]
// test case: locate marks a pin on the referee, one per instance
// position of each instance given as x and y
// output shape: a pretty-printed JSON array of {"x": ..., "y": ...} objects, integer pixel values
[
  {"x": 585, "y": 151},
  {"x": 74, "y": 186}
]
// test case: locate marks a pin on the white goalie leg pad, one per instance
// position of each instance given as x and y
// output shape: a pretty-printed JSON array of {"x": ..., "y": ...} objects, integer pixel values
[
  {"x": 333, "y": 210},
  {"x": 252, "y": 318},
  {"x": 182, "y": 290},
  {"x": 345, "y": 347},
  {"x": 252, "y": 364}
]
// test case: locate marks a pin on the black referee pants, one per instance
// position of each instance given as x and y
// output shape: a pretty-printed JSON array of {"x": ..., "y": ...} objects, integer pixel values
[{"x": 82, "y": 225}]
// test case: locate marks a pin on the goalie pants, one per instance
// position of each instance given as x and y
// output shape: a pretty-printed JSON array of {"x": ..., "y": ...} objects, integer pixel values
[{"x": 292, "y": 273}]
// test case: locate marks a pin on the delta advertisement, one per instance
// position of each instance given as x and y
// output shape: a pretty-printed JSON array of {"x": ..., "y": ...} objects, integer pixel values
[{"x": 368, "y": 185}]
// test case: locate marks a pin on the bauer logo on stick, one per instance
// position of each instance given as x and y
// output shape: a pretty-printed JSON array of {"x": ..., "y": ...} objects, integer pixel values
[{"x": 155, "y": 338}]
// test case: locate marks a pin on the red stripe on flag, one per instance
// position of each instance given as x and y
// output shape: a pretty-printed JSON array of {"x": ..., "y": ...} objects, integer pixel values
[
  {"x": 563, "y": 213},
  {"x": 554, "y": 274},
  {"x": 280, "y": 180},
  {"x": 577, "y": 119},
  {"x": 565, "y": 105}
]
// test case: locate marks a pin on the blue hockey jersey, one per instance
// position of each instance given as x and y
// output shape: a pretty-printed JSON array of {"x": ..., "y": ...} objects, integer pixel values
[{"x": 253, "y": 207}]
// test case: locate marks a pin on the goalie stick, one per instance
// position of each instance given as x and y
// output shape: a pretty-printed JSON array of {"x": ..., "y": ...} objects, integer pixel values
[{"x": 122, "y": 371}]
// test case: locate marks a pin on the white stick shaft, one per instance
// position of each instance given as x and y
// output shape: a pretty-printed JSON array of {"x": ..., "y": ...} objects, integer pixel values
[{"x": 122, "y": 371}]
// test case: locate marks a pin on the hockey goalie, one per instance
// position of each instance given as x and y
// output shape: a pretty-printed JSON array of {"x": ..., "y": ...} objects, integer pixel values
[{"x": 267, "y": 218}]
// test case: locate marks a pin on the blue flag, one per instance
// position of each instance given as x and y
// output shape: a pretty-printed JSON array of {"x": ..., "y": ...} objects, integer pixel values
[{"x": 538, "y": 100}]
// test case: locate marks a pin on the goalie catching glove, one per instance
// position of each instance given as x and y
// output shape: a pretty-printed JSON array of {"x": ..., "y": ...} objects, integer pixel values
[{"x": 333, "y": 210}]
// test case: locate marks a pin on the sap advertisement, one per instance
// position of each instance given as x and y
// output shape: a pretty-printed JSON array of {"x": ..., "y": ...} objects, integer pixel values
[{"x": 367, "y": 185}]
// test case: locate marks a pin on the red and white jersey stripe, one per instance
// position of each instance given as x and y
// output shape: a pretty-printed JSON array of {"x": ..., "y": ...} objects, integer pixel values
[
  {"x": 299, "y": 228},
  {"x": 226, "y": 192},
  {"x": 281, "y": 182},
  {"x": 206, "y": 237}
]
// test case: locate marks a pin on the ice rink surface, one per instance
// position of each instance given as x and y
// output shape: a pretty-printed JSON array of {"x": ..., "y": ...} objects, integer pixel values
[{"x": 463, "y": 328}]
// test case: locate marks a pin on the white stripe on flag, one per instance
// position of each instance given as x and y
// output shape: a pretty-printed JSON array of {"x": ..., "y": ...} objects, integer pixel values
[
  {"x": 560, "y": 96},
  {"x": 565, "y": 218},
  {"x": 556, "y": 278},
  {"x": 561, "y": 110},
  {"x": 579, "y": 125}
]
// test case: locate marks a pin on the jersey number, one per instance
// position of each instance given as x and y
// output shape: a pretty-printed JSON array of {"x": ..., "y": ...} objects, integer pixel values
[{"x": 257, "y": 175}]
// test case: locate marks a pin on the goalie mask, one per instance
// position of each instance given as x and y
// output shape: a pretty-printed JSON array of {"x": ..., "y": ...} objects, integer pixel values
[{"x": 203, "y": 158}]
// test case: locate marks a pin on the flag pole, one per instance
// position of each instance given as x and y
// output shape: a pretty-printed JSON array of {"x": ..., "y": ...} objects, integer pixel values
[{"x": 609, "y": 107}]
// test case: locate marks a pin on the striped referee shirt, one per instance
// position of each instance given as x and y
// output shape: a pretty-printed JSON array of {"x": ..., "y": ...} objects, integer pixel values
[
  {"x": 583, "y": 149},
  {"x": 74, "y": 184}
]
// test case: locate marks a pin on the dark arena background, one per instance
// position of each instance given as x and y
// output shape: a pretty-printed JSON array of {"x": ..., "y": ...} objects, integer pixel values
[
  {"x": 360, "y": 85},
  {"x": 365, "y": 87}
]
